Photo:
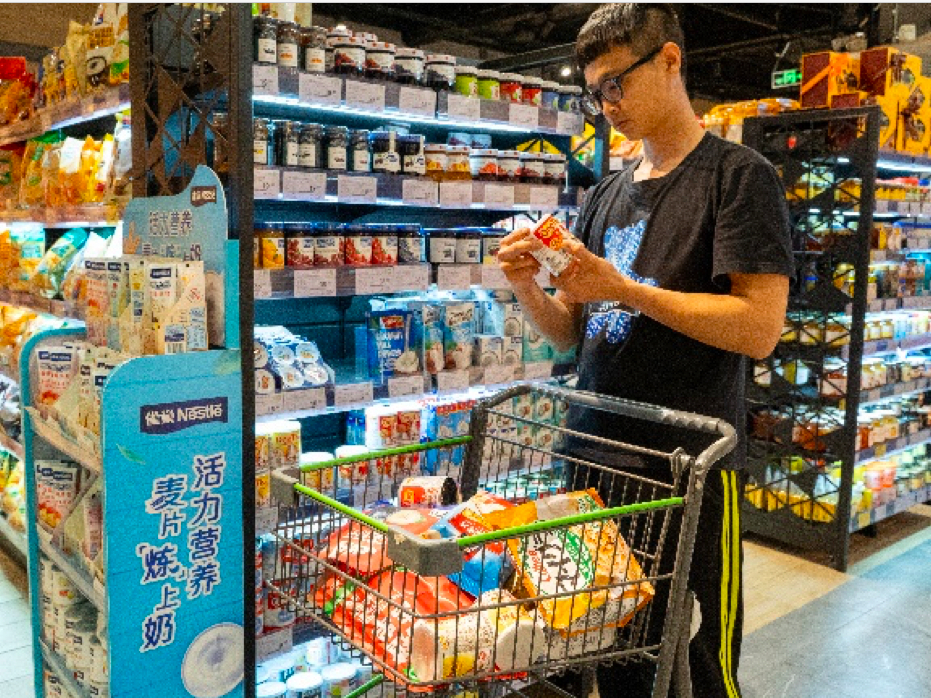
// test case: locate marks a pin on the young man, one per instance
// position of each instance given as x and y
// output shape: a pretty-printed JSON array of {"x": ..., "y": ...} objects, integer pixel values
[{"x": 682, "y": 268}]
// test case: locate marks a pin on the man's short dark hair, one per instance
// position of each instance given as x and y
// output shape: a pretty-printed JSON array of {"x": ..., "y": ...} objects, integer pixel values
[{"x": 642, "y": 27}]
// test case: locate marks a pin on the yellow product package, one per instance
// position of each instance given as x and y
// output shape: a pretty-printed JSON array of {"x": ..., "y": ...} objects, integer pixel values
[
  {"x": 571, "y": 561},
  {"x": 49, "y": 274}
]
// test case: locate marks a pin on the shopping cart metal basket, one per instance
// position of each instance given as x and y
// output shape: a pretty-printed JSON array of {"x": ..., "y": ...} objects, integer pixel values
[{"x": 564, "y": 560}]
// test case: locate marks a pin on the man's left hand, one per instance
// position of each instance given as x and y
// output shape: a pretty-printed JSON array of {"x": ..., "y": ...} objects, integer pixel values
[{"x": 590, "y": 278}]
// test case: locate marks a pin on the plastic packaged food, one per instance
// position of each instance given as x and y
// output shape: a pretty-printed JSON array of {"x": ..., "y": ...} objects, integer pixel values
[
  {"x": 427, "y": 491},
  {"x": 50, "y": 272}
]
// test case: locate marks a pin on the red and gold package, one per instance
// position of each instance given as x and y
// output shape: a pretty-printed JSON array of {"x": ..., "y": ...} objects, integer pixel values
[
  {"x": 552, "y": 233},
  {"x": 572, "y": 560}
]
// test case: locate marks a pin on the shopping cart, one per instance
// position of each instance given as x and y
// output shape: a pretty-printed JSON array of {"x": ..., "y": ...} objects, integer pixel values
[{"x": 558, "y": 582}]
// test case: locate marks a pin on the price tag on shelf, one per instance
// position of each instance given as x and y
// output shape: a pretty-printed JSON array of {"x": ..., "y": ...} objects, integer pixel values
[
  {"x": 453, "y": 277},
  {"x": 266, "y": 184},
  {"x": 926, "y": 209},
  {"x": 372, "y": 281},
  {"x": 265, "y": 79},
  {"x": 499, "y": 196},
  {"x": 365, "y": 95},
  {"x": 413, "y": 277},
  {"x": 310, "y": 186},
  {"x": 415, "y": 101},
  {"x": 268, "y": 404},
  {"x": 419, "y": 192},
  {"x": 314, "y": 283},
  {"x": 462, "y": 107},
  {"x": 495, "y": 375},
  {"x": 493, "y": 278},
  {"x": 304, "y": 400},
  {"x": 356, "y": 190},
  {"x": 569, "y": 123},
  {"x": 262, "y": 283},
  {"x": 881, "y": 206},
  {"x": 405, "y": 385},
  {"x": 455, "y": 194},
  {"x": 447, "y": 381},
  {"x": 320, "y": 89},
  {"x": 524, "y": 115},
  {"x": 538, "y": 370},
  {"x": 353, "y": 394},
  {"x": 544, "y": 197}
]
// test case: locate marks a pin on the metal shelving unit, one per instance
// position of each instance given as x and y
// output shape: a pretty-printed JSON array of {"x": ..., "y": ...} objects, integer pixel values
[{"x": 829, "y": 162}]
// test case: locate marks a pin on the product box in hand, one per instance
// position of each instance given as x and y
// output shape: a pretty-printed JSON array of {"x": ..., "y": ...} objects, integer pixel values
[
  {"x": 826, "y": 74},
  {"x": 885, "y": 69},
  {"x": 553, "y": 234}
]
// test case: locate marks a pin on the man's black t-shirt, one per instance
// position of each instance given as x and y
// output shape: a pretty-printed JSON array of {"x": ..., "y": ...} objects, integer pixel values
[{"x": 721, "y": 211}]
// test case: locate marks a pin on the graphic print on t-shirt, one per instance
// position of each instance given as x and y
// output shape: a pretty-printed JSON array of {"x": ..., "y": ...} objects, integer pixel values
[{"x": 621, "y": 248}]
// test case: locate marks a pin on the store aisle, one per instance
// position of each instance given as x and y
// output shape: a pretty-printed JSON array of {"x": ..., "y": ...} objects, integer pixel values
[
  {"x": 815, "y": 632},
  {"x": 15, "y": 632}
]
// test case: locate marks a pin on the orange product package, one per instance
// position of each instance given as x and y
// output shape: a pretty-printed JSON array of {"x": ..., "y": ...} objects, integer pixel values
[{"x": 552, "y": 233}]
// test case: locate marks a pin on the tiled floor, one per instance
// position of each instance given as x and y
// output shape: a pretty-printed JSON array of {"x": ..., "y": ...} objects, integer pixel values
[
  {"x": 15, "y": 632},
  {"x": 810, "y": 631}
]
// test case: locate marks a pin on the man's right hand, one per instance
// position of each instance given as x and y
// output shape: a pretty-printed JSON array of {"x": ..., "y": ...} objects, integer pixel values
[{"x": 515, "y": 260}]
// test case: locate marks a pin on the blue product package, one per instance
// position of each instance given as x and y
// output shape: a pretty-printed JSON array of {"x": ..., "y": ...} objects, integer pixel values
[{"x": 389, "y": 344}]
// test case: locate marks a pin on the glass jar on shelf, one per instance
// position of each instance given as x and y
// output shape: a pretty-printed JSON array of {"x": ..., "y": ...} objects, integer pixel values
[
  {"x": 437, "y": 160},
  {"x": 489, "y": 84},
  {"x": 484, "y": 164},
  {"x": 531, "y": 91},
  {"x": 310, "y": 147},
  {"x": 288, "y": 43},
  {"x": 385, "y": 158},
  {"x": 334, "y": 36},
  {"x": 409, "y": 66},
  {"x": 440, "y": 72},
  {"x": 833, "y": 382},
  {"x": 313, "y": 49},
  {"x": 262, "y": 149},
  {"x": 287, "y": 143},
  {"x": 457, "y": 164},
  {"x": 570, "y": 99},
  {"x": 549, "y": 94},
  {"x": 509, "y": 165},
  {"x": 337, "y": 145},
  {"x": 360, "y": 153},
  {"x": 349, "y": 56},
  {"x": 411, "y": 244},
  {"x": 379, "y": 60},
  {"x": 467, "y": 80},
  {"x": 511, "y": 87},
  {"x": 531, "y": 168},
  {"x": 265, "y": 32},
  {"x": 411, "y": 151}
]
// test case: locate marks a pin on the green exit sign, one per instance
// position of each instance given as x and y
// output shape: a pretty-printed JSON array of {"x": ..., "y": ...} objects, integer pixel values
[{"x": 786, "y": 78}]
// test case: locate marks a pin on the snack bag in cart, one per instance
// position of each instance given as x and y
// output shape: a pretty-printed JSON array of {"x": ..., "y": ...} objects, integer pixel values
[{"x": 572, "y": 560}]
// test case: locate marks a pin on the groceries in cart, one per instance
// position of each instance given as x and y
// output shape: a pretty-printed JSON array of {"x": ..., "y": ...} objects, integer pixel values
[{"x": 496, "y": 614}]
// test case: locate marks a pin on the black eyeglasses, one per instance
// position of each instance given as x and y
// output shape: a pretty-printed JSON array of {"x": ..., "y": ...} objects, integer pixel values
[{"x": 611, "y": 90}]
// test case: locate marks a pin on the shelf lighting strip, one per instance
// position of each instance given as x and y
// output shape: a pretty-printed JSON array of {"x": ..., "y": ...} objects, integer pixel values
[{"x": 294, "y": 103}]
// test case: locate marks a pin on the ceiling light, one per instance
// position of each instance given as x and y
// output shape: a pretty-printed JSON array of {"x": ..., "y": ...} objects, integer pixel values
[{"x": 566, "y": 71}]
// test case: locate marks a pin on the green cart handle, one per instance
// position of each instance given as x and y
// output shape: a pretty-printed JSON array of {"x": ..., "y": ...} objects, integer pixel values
[{"x": 366, "y": 687}]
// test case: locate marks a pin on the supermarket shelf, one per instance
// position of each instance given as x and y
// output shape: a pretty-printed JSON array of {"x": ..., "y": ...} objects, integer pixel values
[
  {"x": 863, "y": 519},
  {"x": 903, "y": 162},
  {"x": 76, "y": 111},
  {"x": 889, "y": 346},
  {"x": 16, "y": 538},
  {"x": 85, "y": 215},
  {"x": 92, "y": 589},
  {"x": 287, "y": 90},
  {"x": 277, "y": 284},
  {"x": 297, "y": 404},
  {"x": 11, "y": 445},
  {"x": 894, "y": 390},
  {"x": 38, "y": 304},
  {"x": 57, "y": 665},
  {"x": 302, "y": 185},
  {"x": 891, "y": 448},
  {"x": 53, "y": 435}
]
